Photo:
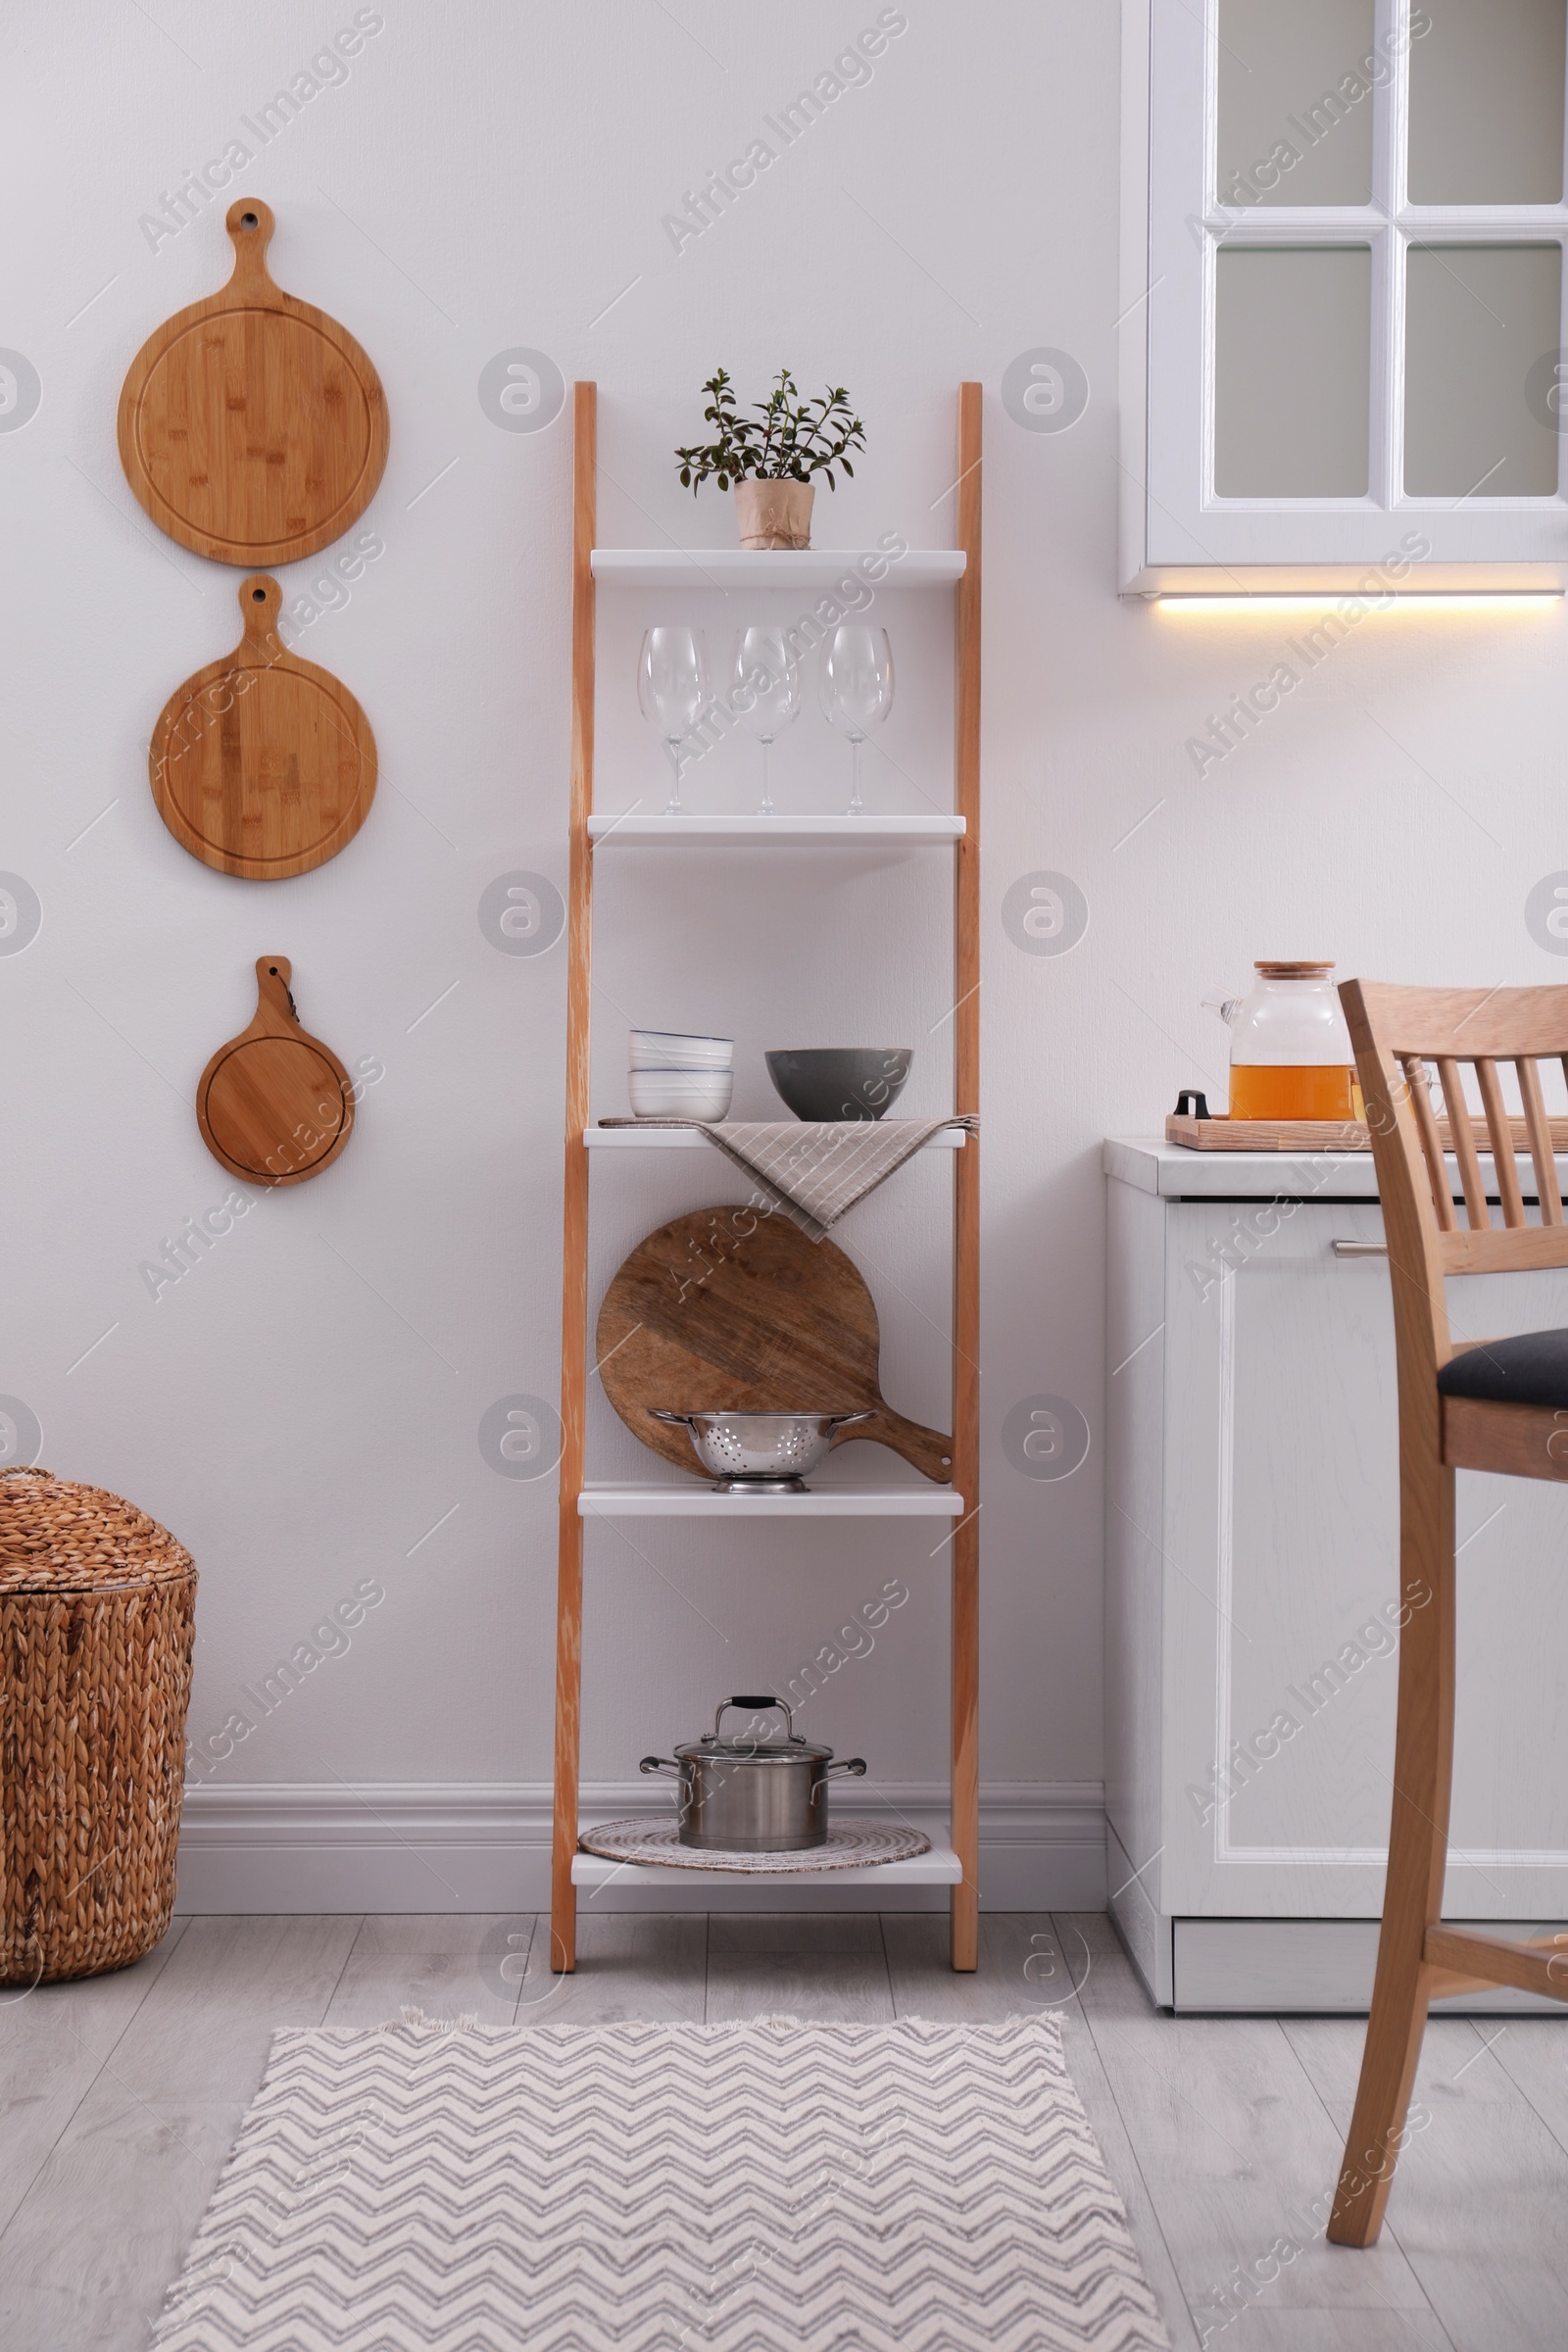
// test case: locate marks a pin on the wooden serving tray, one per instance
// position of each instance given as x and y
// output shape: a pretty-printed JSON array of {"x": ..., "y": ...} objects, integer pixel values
[
  {"x": 262, "y": 764},
  {"x": 253, "y": 427},
  {"x": 274, "y": 1104},
  {"x": 1321, "y": 1134}
]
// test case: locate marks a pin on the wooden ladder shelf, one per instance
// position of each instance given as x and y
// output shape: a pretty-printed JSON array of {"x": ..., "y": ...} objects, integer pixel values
[{"x": 574, "y": 1352}]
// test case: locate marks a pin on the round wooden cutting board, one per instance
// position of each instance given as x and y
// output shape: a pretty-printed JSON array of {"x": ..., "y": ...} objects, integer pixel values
[
  {"x": 727, "y": 1310},
  {"x": 263, "y": 765},
  {"x": 252, "y": 426},
  {"x": 274, "y": 1104}
]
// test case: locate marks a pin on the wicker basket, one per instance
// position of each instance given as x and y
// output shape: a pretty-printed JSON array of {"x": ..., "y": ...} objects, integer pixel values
[{"x": 97, "y": 1623}]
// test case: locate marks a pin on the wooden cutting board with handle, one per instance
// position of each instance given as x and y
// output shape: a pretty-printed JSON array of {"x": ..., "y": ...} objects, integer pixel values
[
  {"x": 274, "y": 1104},
  {"x": 253, "y": 429},
  {"x": 263, "y": 765},
  {"x": 727, "y": 1309}
]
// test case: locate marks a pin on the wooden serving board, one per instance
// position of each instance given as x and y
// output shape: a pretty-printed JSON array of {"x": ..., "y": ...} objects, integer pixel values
[
  {"x": 1321, "y": 1134},
  {"x": 728, "y": 1309},
  {"x": 274, "y": 1104},
  {"x": 253, "y": 429},
  {"x": 262, "y": 764}
]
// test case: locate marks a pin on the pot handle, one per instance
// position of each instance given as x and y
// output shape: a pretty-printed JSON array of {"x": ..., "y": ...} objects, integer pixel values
[
  {"x": 852, "y": 1764},
  {"x": 663, "y": 1764}
]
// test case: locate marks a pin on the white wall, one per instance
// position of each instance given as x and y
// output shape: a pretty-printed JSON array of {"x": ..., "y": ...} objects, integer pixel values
[{"x": 303, "y": 1408}]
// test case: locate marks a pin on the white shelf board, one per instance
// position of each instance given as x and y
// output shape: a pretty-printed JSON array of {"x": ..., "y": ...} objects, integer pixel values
[
  {"x": 941, "y": 1867},
  {"x": 773, "y": 568},
  {"x": 607, "y": 1499},
  {"x": 690, "y": 1138},
  {"x": 633, "y": 831}
]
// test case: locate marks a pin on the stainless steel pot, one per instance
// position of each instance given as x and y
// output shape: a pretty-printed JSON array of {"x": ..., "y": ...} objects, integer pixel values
[
  {"x": 752, "y": 1796},
  {"x": 761, "y": 1453}
]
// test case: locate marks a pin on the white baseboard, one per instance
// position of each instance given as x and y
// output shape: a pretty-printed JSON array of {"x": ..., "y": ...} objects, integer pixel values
[{"x": 417, "y": 1847}]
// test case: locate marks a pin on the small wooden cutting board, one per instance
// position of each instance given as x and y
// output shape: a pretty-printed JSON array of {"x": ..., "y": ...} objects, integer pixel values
[
  {"x": 253, "y": 429},
  {"x": 274, "y": 1104},
  {"x": 732, "y": 1309},
  {"x": 262, "y": 764}
]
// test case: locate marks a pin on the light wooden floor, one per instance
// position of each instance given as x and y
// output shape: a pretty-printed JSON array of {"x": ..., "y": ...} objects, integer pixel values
[{"x": 121, "y": 2097}]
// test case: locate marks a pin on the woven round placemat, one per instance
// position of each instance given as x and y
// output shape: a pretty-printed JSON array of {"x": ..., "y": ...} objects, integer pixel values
[
  {"x": 850, "y": 1845},
  {"x": 97, "y": 1624}
]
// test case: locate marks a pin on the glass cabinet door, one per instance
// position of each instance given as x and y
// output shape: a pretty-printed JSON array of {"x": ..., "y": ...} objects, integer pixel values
[{"x": 1355, "y": 300}]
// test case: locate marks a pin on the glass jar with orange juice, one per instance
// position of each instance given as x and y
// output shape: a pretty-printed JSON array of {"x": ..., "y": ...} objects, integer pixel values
[{"x": 1291, "y": 1053}]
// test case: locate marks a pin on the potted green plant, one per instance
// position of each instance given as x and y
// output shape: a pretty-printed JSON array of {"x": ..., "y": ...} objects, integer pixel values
[{"x": 772, "y": 458}]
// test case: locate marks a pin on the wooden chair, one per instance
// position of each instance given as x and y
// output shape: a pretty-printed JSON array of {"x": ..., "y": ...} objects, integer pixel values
[{"x": 1492, "y": 1404}]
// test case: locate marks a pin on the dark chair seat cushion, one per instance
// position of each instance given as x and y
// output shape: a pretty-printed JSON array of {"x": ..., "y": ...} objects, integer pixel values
[{"x": 1532, "y": 1369}]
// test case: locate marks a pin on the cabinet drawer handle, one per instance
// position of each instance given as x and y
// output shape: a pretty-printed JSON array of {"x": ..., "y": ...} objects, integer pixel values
[{"x": 1359, "y": 1248}]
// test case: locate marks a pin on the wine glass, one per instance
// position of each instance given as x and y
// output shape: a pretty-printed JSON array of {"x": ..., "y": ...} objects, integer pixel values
[
  {"x": 764, "y": 691},
  {"x": 673, "y": 691},
  {"x": 856, "y": 685}
]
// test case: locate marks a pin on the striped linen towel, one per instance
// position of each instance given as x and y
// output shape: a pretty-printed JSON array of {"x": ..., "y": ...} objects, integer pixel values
[{"x": 817, "y": 1169}]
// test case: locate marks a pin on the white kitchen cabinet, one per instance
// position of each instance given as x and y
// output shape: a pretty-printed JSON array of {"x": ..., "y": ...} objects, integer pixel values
[
  {"x": 1252, "y": 1589},
  {"x": 1344, "y": 350}
]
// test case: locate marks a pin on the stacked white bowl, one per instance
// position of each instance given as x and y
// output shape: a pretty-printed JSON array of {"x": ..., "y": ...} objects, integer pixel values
[{"x": 675, "y": 1077}]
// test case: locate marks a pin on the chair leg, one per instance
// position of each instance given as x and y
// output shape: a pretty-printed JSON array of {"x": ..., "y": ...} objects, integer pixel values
[{"x": 1418, "y": 1848}]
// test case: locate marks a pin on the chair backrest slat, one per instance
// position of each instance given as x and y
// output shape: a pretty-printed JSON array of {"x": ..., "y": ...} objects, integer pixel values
[
  {"x": 1500, "y": 1129},
  {"x": 1539, "y": 1133},
  {"x": 1464, "y": 1142},
  {"x": 1426, "y": 1120},
  {"x": 1397, "y": 1033}
]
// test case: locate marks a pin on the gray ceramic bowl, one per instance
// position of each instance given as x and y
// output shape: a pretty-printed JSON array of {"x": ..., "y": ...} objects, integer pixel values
[{"x": 840, "y": 1082}]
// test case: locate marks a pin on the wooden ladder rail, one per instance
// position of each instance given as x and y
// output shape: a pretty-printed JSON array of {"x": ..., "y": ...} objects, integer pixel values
[
  {"x": 574, "y": 1214},
  {"x": 965, "y": 1635}
]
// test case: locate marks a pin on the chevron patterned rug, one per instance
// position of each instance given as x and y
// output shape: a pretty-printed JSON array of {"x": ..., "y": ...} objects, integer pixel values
[{"x": 759, "y": 2187}]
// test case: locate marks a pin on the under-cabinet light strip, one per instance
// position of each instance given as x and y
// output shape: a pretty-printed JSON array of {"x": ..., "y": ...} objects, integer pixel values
[{"x": 1496, "y": 599}]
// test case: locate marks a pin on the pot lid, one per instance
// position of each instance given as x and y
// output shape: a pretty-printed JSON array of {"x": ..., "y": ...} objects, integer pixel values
[
  {"x": 59, "y": 1535},
  {"x": 755, "y": 1752}
]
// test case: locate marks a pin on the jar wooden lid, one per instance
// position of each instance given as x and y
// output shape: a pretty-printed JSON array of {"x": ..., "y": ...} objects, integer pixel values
[
  {"x": 57, "y": 1536},
  {"x": 1294, "y": 971}
]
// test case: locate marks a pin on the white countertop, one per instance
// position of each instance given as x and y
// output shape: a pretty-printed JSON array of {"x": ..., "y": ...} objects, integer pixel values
[{"x": 1152, "y": 1166}]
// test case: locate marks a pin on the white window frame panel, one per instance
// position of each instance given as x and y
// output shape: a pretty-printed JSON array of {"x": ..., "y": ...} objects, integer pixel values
[{"x": 1177, "y": 533}]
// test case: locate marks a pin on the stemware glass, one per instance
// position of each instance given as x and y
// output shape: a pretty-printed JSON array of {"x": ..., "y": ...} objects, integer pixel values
[
  {"x": 765, "y": 692},
  {"x": 673, "y": 691},
  {"x": 856, "y": 685}
]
